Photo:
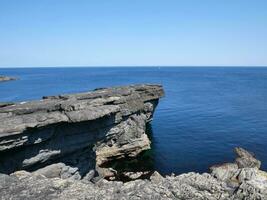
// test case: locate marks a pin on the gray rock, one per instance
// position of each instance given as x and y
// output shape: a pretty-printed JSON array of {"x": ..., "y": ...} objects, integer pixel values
[
  {"x": 24, "y": 185},
  {"x": 82, "y": 131},
  {"x": 156, "y": 177},
  {"x": 187, "y": 186},
  {"x": 135, "y": 175},
  {"x": 251, "y": 184},
  {"x": 246, "y": 159},
  {"x": 225, "y": 171},
  {"x": 51, "y": 171},
  {"x": 89, "y": 176}
]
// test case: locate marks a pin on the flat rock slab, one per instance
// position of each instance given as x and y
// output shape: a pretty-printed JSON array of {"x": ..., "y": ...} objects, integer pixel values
[{"x": 16, "y": 118}]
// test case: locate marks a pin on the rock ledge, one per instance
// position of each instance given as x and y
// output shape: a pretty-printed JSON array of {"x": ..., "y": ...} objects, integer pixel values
[{"x": 82, "y": 131}]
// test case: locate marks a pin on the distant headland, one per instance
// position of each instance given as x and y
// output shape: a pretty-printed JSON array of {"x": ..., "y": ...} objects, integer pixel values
[{"x": 7, "y": 78}]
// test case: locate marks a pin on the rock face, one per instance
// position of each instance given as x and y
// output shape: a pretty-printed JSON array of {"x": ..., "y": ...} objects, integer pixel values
[
  {"x": 78, "y": 132},
  {"x": 6, "y": 78},
  {"x": 226, "y": 182}
]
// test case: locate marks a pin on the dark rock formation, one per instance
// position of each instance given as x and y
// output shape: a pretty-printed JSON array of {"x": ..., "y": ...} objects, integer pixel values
[
  {"x": 78, "y": 132},
  {"x": 6, "y": 78},
  {"x": 247, "y": 184}
]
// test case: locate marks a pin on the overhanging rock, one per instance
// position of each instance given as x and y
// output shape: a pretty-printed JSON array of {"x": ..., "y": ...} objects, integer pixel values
[{"x": 82, "y": 130}]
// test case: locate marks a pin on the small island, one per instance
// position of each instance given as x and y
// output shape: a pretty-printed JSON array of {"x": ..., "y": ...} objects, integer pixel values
[{"x": 6, "y": 78}]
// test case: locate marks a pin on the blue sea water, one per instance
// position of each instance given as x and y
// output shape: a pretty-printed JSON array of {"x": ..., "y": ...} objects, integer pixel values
[{"x": 207, "y": 111}]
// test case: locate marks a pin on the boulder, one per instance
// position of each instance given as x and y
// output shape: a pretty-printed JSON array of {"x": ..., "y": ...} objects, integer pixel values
[
  {"x": 246, "y": 159},
  {"x": 225, "y": 171}
]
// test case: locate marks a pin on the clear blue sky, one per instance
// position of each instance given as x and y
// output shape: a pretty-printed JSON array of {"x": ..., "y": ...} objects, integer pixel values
[{"x": 132, "y": 32}]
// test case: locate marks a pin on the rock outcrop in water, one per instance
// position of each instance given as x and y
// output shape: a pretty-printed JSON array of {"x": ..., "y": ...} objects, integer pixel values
[
  {"x": 6, "y": 78},
  {"x": 76, "y": 133},
  {"x": 229, "y": 181}
]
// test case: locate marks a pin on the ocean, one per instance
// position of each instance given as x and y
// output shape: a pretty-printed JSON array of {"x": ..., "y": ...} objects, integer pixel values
[{"x": 206, "y": 112}]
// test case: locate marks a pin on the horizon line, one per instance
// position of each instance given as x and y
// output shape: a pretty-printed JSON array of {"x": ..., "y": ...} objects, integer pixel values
[{"x": 128, "y": 66}]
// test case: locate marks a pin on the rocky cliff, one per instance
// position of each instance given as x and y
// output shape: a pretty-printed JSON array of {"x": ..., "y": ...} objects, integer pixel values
[
  {"x": 79, "y": 131},
  {"x": 58, "y": 147}
]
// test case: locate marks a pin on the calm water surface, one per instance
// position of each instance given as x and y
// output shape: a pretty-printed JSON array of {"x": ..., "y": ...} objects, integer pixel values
[{"x": 206, "y": 111}]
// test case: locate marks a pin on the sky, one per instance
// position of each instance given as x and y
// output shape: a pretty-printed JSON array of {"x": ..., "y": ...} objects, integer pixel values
[{"x": 51, "y": 33}]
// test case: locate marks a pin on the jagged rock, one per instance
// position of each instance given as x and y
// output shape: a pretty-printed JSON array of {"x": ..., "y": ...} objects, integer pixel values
[
  {"x": 135, "y": 175},
  {"x": 225, "y": 171},
  {"x": 251, "y": 185},
  {"x": 187, "y": 186},
  {"x": 25, "y": 185},
  {"x": 83, "y": 130},
  {"x": 231, "y": 172},
  {"x": 246, "y": 159},
  {"x": 89, "y": 176},
  {"x": 6, "y": 78},
  {"x": 156, "y": 177}
]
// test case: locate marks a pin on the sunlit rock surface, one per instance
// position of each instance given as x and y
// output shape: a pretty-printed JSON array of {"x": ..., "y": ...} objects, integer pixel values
[
  {"x": 80, "y": 131},
  {"x": 56, "y": 148},
  {"x": 225, "y": 182}
]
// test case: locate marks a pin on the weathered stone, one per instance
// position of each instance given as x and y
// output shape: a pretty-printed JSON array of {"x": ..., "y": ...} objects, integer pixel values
[
  {"x": 51, "y": 171},
  {"x": 225, "y": 171},
  {"x": 89, "y": 176},
  {"x": 246, "y": 159},
  {"x": 135, "y": 175},
  {"x": 82, "y": 130},
  {"x": 252, "y": 184},
  {"x": 156, "y": 177},
  {"x": 190, "y": 186}
]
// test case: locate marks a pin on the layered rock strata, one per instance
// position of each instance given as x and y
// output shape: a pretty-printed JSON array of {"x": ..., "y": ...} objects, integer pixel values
[
  {"x": 229, "y": 181},
  {"x": 78, "y": 132}
]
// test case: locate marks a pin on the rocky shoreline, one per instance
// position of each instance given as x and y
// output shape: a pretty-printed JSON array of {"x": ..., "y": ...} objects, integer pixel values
[
  {"x": 58, "y": 147},
  {"x": 6, "y": 78},
  {"x": 231, "y": 181}
]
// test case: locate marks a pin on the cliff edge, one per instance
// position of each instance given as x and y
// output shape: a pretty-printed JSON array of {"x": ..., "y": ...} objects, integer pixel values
[{"x": 80, "y": 131}]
